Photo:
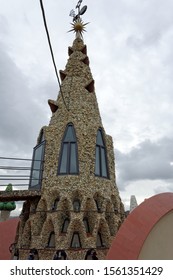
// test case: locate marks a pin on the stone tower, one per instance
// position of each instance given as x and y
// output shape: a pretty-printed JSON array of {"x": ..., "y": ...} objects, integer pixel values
[{"x": 79, "y": 207}]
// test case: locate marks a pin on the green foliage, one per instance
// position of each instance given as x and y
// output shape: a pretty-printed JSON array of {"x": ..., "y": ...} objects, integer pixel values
[
  {"x": 10, "y": 205},
  {"x": 9, "y": 188}
]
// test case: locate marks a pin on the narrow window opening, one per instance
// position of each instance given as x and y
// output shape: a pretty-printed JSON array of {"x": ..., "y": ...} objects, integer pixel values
[
  {"x": 86, "y": 224},
  {"x": 76, "y": 205},
  {"x": 33, "y": 254},
  {"x": 75, "y": 243},
  {"x": 99, "y": 242},
  {"x": 91, "y": 254},
  {"x": 51, "y": 241},
  {"x": 65, "y": 225},
  {"x": 68, "y": 156},
  {"x": 16, "y": 254},
  {"x": 98, "y": 206},
  {"x": 55, "y": 204},
  {"x": 101, "y": 168},
  {"x": 60, "y": 255}
]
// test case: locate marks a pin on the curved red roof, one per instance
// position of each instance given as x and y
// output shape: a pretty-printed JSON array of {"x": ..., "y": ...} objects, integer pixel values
[
  {"x": 7, "y": 237},
  {"x": 135, "y": 229}
]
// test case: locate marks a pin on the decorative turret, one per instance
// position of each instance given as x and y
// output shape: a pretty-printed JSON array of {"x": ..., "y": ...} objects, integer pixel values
[{"x": 73, "y": 165}]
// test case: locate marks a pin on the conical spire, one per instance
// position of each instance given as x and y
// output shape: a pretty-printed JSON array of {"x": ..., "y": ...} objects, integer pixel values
[
  {"x": 77, "y": 96},
  {"x": 80, "y": 207}
]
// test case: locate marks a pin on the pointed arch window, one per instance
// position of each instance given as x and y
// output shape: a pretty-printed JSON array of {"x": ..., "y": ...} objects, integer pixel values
[
  {"x": 75, "y": 242},
  {"x": 101, "y": 166},
  {"x": 16, "y": 255},
  {"x": 68, "y": 155},
  {"x": 65, "y": 225},
  {"x": 60, "y": 255},
  {"x": 51, "y": 241}
]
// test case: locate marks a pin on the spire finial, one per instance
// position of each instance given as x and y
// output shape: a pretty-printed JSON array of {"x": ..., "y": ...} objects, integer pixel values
[{"x": 78, "y": 26}]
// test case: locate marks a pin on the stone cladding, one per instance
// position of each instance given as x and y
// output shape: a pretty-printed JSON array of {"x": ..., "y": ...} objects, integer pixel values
[{"x": 76, "y": 104}]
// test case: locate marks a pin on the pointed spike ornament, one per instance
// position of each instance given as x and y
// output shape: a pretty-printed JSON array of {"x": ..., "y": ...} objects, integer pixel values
[{"x": 78, "y": 26}]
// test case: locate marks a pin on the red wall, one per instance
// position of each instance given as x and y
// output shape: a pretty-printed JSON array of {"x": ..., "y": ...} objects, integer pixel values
[{"x": 7, "y": 236}]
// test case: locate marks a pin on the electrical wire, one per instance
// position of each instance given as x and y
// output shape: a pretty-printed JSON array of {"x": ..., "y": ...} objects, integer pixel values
[
  {"x": 15, "y": 179},
  {"x": 16, "y": 185},
  {"x": 16, "y": 168},
  {"x": 25, "y": 159},
  {"x": 13, "y": 176},
  {"x": 51, "y": 50}
]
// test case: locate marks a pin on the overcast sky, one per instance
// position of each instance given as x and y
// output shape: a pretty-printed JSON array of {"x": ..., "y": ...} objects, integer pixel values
[{"x": 130, "y": 46}]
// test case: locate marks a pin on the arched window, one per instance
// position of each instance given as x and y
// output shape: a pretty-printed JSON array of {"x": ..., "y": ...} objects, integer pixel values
[
  {"x": 99, "y": 242},
  {"x": 68, "y": 163},
  {"x": 33, "y": 254},
  {"x": 37, "y": 165},
  {"x": 101, "y": 168},
  {"x": 65, "y": 225},
  {"x": 76, "y": 205},
  {"x": 60, "y": 255},
  {"x": 51, "y": 241},
  {"x": 75, "y": 242},
  {"x": 91, "y": 254},
  {"x": 86, "y": 224},
  {"x": 16, "y": 255}
]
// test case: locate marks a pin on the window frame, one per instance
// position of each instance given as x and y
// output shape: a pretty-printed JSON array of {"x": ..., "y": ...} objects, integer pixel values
[
  {"x": 100, "y": 156},
  {"x": 38, "y": 183},
  {"x": 69, "y": 153}
]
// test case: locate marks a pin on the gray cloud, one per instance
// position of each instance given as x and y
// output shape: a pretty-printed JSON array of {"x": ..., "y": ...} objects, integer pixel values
[
  {"x": 147, "y": 161},
  {"x": 23, "y": 109},
  {"x": 130, "y": 49}
]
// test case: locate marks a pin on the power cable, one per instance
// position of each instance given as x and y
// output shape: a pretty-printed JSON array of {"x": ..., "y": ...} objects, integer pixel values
[
  {"x": 25, "y": 159},
  {"x": 51, "y": 50}
]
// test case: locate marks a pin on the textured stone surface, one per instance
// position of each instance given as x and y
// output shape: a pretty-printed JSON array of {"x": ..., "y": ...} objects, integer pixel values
[{"x": 38, "y": 220}]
